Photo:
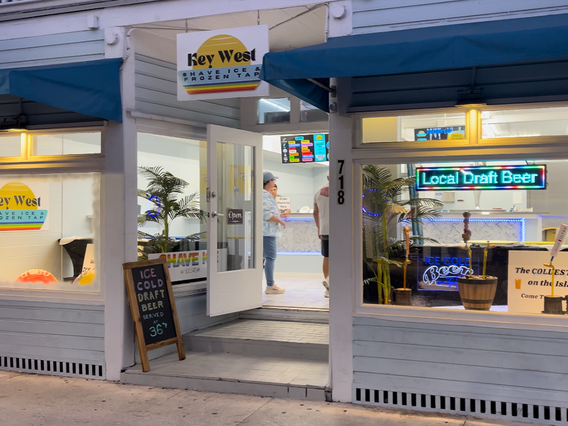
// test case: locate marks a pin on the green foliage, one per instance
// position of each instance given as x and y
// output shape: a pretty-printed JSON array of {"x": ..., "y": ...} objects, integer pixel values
[
  {"x": 165, "y": 193},
  {"x": 383, "y": 209}
]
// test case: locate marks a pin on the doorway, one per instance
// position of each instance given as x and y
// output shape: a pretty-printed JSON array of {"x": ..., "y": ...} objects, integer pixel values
[{"x": 299, "y": 261}]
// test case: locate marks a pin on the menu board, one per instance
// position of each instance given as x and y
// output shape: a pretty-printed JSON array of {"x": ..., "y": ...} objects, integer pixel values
[
  {"x": 153, "y": 307},
  {"x": 305, "y": 148},
  {"x": 439, "y": 133}
]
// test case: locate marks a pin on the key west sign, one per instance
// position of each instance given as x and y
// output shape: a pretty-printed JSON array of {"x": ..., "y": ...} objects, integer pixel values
[
  {"x": 480, "y": 177},
  {"x": 221, "y": 63}
]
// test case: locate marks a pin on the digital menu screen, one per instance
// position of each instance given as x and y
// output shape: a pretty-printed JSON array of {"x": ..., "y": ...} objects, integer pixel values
[
  {"x": 305, "y": 148},
  {"x": 439, "y": 133}
]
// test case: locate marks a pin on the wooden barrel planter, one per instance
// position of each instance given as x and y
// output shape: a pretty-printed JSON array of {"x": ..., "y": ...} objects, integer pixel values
[
  {"x": 402, "y": 296},
  {"x": 476, "y": 292}
]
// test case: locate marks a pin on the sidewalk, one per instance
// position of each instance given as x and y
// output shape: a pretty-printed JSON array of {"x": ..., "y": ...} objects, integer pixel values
[{"x": 36, "y": 400}]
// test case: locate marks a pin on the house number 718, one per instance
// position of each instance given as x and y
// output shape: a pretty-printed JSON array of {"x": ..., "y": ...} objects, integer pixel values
[{"x": 340, "y": 193}]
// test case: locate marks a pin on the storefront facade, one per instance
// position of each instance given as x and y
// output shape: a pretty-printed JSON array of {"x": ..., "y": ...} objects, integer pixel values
[
  {"x": 90, "y": 155},
  {"x": 491, "y": 364},
  {"x": 406, "y": 81}
]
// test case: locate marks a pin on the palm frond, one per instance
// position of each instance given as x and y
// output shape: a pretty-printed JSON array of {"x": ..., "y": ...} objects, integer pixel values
[
  {"x": 166, "y": 195},
  {"x": 383, "y": 211}
]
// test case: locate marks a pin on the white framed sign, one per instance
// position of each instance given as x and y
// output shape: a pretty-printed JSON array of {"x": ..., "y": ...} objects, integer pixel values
[
  {"x": 221, "y": 63},
  {"x": 529, "y": 280},
  {"x": 284, "y": 203}
]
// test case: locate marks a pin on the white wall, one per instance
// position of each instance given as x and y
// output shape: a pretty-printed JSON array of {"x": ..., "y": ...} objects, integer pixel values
[
  {"x": 488, "y": 200},
  {"x": 297, "y": 181},
  {"x": 179, "y": 157}
]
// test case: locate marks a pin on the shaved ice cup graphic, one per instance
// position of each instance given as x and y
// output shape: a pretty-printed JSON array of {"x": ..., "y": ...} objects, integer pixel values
[
  {"x": 19, "y": 208},
  {"x": 86, "y": 278}
]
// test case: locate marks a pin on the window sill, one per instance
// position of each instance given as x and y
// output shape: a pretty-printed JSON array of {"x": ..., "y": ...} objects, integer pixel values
[{"x": 449, "y": 317}]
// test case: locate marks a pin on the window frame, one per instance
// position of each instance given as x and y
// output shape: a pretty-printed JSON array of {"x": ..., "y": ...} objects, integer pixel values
[
  {"x": 71, "y": 163},
  {"x": 476, "y": 149},
  {"x": 56, "y": 165}
]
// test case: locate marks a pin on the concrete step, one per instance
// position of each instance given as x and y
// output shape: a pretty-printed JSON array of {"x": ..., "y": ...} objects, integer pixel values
[
  {"x": 264, "y": 338},
  {"x": 320, "y": 316},
  {"x": 232, "y": 373}
]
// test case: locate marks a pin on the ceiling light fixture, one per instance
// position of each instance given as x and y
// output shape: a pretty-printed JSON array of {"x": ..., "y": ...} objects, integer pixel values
[
  {"x": 470, "y": 98},
  {"x": 17, "y": 123}
]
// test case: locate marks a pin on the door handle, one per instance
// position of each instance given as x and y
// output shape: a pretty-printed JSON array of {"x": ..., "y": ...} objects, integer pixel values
[{"x": 213, "y": 214}]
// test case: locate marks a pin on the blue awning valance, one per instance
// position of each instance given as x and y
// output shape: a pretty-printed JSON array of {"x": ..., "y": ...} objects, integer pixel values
[
  {"x": 91, "y": 88},
  {"x": 303, "y": 71}
]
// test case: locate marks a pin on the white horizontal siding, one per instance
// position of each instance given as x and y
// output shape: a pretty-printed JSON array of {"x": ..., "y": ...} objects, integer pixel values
[
  {"x": 156, "y": 93},
  {"x": 52, "y": 49},
  {"x": 519, "y": 366},
  {"x": 370, "y": 16},
  {"x": 52, "y": 331}
]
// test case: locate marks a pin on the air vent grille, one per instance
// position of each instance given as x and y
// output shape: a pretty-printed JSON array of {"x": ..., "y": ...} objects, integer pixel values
[
  {"x": 57, "y": 368},
  {"x": 518, "y": 411}
]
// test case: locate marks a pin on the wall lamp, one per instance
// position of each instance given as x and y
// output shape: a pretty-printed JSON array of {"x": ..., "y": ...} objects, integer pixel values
[
  {"x": 17, "y": 123},
  {"x": 470, "y": 98}
]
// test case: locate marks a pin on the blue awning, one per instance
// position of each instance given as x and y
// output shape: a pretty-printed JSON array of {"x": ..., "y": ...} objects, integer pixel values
[
  {"x": 91, "y": 88},
  {"x": 303, "y": 71}
]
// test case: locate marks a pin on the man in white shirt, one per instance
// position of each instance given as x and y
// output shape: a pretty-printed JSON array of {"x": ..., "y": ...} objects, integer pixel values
[{"x": 321, "y": 216}]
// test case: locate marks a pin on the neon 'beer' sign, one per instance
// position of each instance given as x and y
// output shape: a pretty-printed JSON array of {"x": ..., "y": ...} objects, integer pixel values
[{"x": 480, "y": 178}]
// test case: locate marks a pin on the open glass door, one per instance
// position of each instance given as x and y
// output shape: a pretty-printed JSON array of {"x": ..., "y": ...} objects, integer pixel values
[{"x": 234, "y": 226}]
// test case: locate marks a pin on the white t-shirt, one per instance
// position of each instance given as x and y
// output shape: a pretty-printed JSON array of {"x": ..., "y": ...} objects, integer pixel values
[{"x": 322, "y": 200}]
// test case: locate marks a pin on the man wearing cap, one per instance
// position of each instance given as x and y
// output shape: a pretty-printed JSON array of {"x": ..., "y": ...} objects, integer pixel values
[{"x": 271, "y": 220}]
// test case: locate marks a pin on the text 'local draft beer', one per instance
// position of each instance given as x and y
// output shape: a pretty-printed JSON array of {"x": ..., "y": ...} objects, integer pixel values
[{"x": 481, "y": 177}]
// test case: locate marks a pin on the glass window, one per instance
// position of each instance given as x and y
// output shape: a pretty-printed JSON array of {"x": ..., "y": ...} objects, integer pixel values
[
  {"x": 67, "y": 143},
  {"x": 235, "y": 198},
  {"x": 11, "y": 145},
  {"x": 308, "y": 113},
  {"x": 48, "y": 239},
  {"x": 172, "y": 178},
  {"x": 430, "y": 127},
  {"x": 514, "y": 212},
  {"x": 275, "y": 110},
  {"x": 524, "y": 123}
]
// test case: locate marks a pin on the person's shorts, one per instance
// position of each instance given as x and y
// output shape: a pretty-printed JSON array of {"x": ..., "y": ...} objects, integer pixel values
[{"x": 325, "y": 245}]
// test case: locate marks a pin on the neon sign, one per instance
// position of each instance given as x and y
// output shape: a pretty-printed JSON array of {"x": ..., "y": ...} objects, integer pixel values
[
  {"x": 439, "y": 269},
  {"x": 480, "y": 178},
  {"x": 443, "y": 272}
]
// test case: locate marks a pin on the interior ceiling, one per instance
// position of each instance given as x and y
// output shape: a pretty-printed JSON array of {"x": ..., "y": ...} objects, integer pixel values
[{"x": 289, "y": 28}]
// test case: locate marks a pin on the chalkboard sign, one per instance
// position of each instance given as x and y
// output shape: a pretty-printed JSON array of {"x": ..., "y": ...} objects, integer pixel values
[{"x": 153, "y": 307}]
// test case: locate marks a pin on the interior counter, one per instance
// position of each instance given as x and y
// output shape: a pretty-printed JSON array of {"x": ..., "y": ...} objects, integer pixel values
[
  {"x": 300, "y": 235},
  {"x": 489, "y": 225}
]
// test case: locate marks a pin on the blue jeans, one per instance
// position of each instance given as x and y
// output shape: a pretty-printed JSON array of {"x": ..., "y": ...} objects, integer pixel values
[{"x": 269, "y": 254}]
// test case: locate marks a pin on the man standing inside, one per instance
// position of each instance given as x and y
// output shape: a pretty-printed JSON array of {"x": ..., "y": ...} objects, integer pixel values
[
  {"x": 321, "y": 216},
  {"x": 270, "y": 222}
]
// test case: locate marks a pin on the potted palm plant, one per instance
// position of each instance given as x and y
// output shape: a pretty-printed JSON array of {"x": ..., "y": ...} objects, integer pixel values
[
  {"x": 165, "y": 193},
  {"x": 383, "y": 210}
]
